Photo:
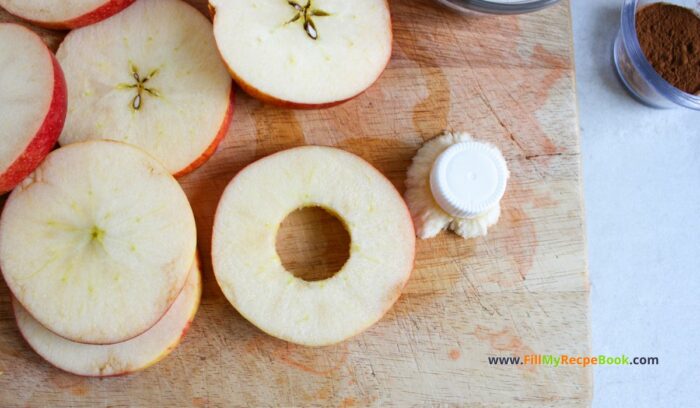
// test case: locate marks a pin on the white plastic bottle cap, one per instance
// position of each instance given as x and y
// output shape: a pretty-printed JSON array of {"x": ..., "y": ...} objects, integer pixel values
[{"x": 468, "y": 179}]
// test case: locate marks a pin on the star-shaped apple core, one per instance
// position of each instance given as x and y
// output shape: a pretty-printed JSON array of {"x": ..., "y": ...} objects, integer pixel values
[
  {"x": 139, "y": 84},
  {"x": 306, "y": 14}
]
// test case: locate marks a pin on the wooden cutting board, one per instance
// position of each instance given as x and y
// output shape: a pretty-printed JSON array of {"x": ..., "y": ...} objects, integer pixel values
[{"x": 522, "y": 289}]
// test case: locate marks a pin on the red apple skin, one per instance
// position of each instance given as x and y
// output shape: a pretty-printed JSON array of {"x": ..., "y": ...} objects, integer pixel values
[
  {"x": 45, "y": 138},
  {"x": 391, "y": 298},
  {"x": 106, "y": 10},
  {"x": 271, "y": 100},
  {"x": 223, "y": 130}
]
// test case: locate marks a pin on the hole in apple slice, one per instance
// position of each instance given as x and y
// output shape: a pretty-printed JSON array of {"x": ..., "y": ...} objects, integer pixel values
[{"x": 313, "y": 244}]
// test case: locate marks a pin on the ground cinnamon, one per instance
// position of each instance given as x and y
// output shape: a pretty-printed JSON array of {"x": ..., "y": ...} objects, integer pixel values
[{"x": 670, "y": 38}]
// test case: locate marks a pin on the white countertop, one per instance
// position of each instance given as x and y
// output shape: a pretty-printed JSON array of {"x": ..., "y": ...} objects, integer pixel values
[{"x": 641, "y": 170}]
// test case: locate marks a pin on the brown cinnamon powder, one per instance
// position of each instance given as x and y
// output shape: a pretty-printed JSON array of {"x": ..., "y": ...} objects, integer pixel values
[{"x": 670, "y": 38}]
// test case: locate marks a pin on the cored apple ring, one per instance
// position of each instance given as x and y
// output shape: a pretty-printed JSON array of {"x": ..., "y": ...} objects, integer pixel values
[{"x": 251, "y": 274}]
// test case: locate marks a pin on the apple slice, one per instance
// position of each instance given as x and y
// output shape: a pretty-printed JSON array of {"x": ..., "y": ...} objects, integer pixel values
[
  {"x": 130, "y": 356},
  {"x": 96, "y": 244},
  {"x": 62, "y": 14},
  {"x": 32, "y": 103},
  {"x": 251, "y": 274},
  {"x": 150, "y": 76},
  {"x": 303, "y": 53}
]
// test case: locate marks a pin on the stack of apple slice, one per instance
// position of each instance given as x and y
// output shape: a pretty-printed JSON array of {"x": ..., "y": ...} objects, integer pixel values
[
  {"x": 100, "y": 259},
  {"x": 127, "y": 357},
  {"x": 150, "y": 76},
  {"x": 32, "y": 103}
]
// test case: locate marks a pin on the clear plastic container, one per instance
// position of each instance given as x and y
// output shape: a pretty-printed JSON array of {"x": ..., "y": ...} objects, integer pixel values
[
  {"x": 634, "y": 69},
  {"x": 498, "y": 7}
]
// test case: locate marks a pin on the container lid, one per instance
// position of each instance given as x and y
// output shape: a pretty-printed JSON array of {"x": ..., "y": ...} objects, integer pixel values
[
  {"x": 498, "y": 6},
  {"x": 468, "y": 179}
]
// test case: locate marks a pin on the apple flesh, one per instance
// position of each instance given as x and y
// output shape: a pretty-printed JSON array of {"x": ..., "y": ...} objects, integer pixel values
[
  {"x": 32, "y": 103},
  {"x": 251, "y": 274},
  {"x": 62, "y": 14},
  {"x": 96, "y": 244},
  {"x": 130, "y": 356},
  {"x": 303, "y": 53},
  {"x": 150, "y": 76}
]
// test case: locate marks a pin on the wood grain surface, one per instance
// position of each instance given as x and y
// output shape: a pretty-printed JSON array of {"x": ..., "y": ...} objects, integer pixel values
[{"x": 522, "y": 289}]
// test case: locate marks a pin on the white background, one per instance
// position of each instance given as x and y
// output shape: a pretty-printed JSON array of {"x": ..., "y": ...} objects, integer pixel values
[{"x": 641, "y": 170}]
